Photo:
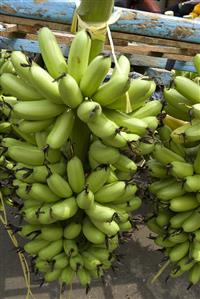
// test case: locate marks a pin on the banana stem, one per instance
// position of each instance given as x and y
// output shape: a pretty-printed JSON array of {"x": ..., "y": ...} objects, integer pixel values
[
  {"x": 95, "y": 11},
  {"x": 162, "y": 269}
]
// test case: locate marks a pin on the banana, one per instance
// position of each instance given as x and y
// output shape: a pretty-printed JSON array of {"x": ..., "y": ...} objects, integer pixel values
[
  {"x": 178, "y": 219},
  {"x": 125, "y": 226},
  {"x": 89, "y": 111},
  {"x": 70, "y": 92},
  {"x": 97, "y": 178},
  {"x": 191, "y": 183},
  {"x": 108, "y": 228},
  {"x": 59, "y": 185},
  {"x": 133, "y": 204},
  {"x": 125, "y": 164},
  {"x": 61, "y": 129},
  {"x": 5, "y": 127},
  {"x": 188, "y": 88},
  {"x": 152, "y": 122},
  {"x": 21, "y": 63},
  {"x": 178, "y": 135},
  {"x": 75, "y": 174},
  {"x": 103, "y": 154},
  {"x": 45, "y": 85},
  {"x": 179, "y": 251},
  {"x": 192, "y": 133},
  {"x": 7, "y": 68},
  {"x": 110, "y": 192},
  {"x": 100, "y": 212},
  {"x": 164, "y": 133},
  {"x": 64, "y": 209},
  {"x": 28, "y": 155},
  {"x": 30, "y": 231},
  {"x": 95, "y": 75},
  {"x": 134, "y": 125},
  {"x": 72, "y": 230},
  {"x": 112, "y": 177},
  {"x": 152, "y": 108},
  {"x": 167, "y": 193},
  {"x": 37, "y": 110},
  {"x": 186, "y": 264},
  {"x": 109, "y": 91},
  {"x": 121, "y": 175},
  {"x": 83, "y": 277},
  {"x": 51, "y": 232},
  {"x": 33, "y": 247},
  {"x": 15, "y": 86},
  {"x": 156, "y": 169},
  {"x": 195, "y": 251},
  {"x": 176, "y": 113},
  {"x": 142, "y": 148},
  {"x": 194, "y": 274},
  {"x": 51, "y": 52},
  {"x": 192, "y": 222},
  {"x": 164, "y": 155},
  {"x": 124, "y": 67},
  {"x": 90, "y": 262},
  {"x": 157, "y": 186},
  {"x": 173, "y": 122},
  {"x": 163, "y": 218},
  {"x": 92, "y": 233},
  {"x": 70, "y": 248},
  {"x": 103, "y": 127},
  {"x": 79, "y": 55},
  {"x": 60, "y": 261},
  {"x": 196, "y": 61},
  {"x": 153, "y": 226},
  {"x": 195, "y": 111},
  {"x": 162, "y": 242},
  {"x": 28, "y": 127},
  {"x": 53, "y": 275},
  {"x": 76, "y": 262},
  {"x": 117, "y": 141},
  {"x": 102, "y": 254},
  {"x": 181, "y": 169},
  {"x": 178, "y": 148},
  {"x": 85, "y": 199},
  {"x": 197, "y": 235},
  {"x": 184, "y": 203},
  {"x": 42, "y": 266},
  {"x": 51, "y": 250},
  {"x": 43, "y": 193},
  {"x": 177, "y": 237},
  {"x": 177, "y": 100},
  {"x": 197, "y": 162},
  {"x": 67, "y": 275}
]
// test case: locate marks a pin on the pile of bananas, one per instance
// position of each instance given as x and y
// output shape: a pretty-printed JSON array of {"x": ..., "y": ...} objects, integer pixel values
[
  {"x": 74, "y": 152},
  {"x": 175, "y": 169}
]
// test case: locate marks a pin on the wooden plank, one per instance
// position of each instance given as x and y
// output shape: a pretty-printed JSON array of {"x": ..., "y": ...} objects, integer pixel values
[
  {"x": 135, "y": 59},
  {"x": 131, "y": 21},
  {"x": 7, "y": 29}
]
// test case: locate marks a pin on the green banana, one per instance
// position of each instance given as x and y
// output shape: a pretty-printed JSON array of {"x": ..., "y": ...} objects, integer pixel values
[
  {"x": 188, "y": 88},
  {"x": 181, "y": 169},
  {"x": 60, "y": 261},
  {"x": 27, "y": 126},
  {"x": 75, "y": 174},
  {"x": 67, "y": 275},
  {"x": 64, "y": 209},
  {"x": 184, "y": 203},
  {"x": 21, "y": 63},
  {"x": 100, "y": 212},
  {"x": 179, "y": 251},
  {"x": 178, "y": 219},
  {"x": 30, "y": 155},
  {"x": 79, "y": 55},
  {"x": 156, "y": 169},
  {"x": 123, "y": 67},
  {"x": 194, "y": 274},
  {"x": 51, "y": 232},
  {"x": 72, "y": 230},
  {"x": 85, "y": 199},
  {"x": 110, "y": 192},
  {"x": 42, "y": 192},
  {"x": 191, "y": 183},
  {"x": 76, "y": 262},
  {"x": 70, "y": 248},
  {"x": 152, "y": 122},
  {"x": 51, "y": 52},
  {"x": 125, "y": 164},
  {"x": 192, "y": 222},
  {"x": 165, "y": 156},
  {"x": 157, "y": 186},
  {"x": 53, "y": 275},
  {"x": 108, "y": 228},
  {"x": 88, "y": 111},
  {"x": 163, "y": 218},
  {"x": 33, "y": 247},
  {"x": 177, "y": 100},
  {"x": 152, "y": 108},
  {"x": 97, "y": 178},
  {"x": 103, "y": 154},
  {"x": 59, "y": 185},
  {"x": 92, "y": 233},
  {"x": 196, "y": 61},
  {"x": 90, "y": 262},
  {"x": 173, "y": 191},
  {"x": 83, "y": 277},
  {"x": 51, "y": 250}
]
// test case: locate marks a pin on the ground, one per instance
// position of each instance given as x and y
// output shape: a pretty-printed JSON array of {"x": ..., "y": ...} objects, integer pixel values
[{"x": 132, "y": 279}]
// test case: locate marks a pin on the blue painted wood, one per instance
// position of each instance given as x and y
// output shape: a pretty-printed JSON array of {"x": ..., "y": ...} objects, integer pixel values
[
  {"x": 131, "y": 21},
  {"x": 141, "y": 60}
]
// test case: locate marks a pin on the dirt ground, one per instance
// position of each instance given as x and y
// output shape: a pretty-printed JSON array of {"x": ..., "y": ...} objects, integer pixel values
[{"x": 132, "y": 279}]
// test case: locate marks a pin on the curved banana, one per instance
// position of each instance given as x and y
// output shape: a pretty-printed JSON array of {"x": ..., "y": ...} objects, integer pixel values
[{"x": 75, "y": 174}]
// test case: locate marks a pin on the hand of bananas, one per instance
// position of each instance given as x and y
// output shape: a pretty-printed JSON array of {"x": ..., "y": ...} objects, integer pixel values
[
  {"x": 175, "y": 170},
  {"x": 74, "y": 152}
]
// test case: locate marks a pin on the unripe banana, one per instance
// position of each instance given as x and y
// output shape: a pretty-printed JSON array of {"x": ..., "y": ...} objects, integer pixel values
[
  {"x": 197, "y": 162},
  {"x": 184, "y": 203},
  {"x": 162, "y": 242},
  {"x": 89, "y": 111},
  {"x": 27, "y": 126},
  {"x": 75, "y": 174},
  {"x": 156, "y": 169},
  {"x": 177, "y": 238},
  {"x": 97, "y": 178},
  {"x": 112, "y": 177},
  {"x": 29, "y": 231},
  {"x": 42, "y": 266},
  {"x": 175, "y": 112},
  {"x": 152, "y": 108},
  {"x": 188, "y": 88},
  {"x": 124, "y": 67},
  {"x": 51, "y": 250},
  {"x": 197, "y": 235},
  {"x": 125, "y": 226},
  {"x": 134, "y": 125},
  {"x": 15, "y": 86},
  {"x": 179, "y": 251},
  {"x": 92, "y": 233},
  {"x": 79, "y": 55},
  {"x": 100, "y": 212},
  {"x": 85, "y": 199},
  {"x": 7, "y": 68},
  {"x": 101, "y": 254},
  {"x": 133, "y": 204},
  {"x": 110, "y": 192},
  {"x": 177, "y": 100},
  {"x": 196, "y": 61},
  {"x": 52, "y": 232},
  {"x": 59, "y": 185},
  {"x": 44, "y": 84},
  {"x": 70, "y": 92},
  {"x": 61, "y": 130},
  {"x": 125, "y": 164},
  {"x": 152, "y": 122},
  {"x": 194, "y": 274},
  {"x": 178, "y": 219},
  {"x": 65, "y": 209},
  {"x": 163, "y": 218},
  {"x": 72, "y": 230},
  {"x": 195, "y": 111},
  {"x": 153, "y": 226},
  {"x": 20, "y": 60},
  {"x": 37, "y": 110},
  {"x": 186, "y": 264},
  {"x": 53, "y": 275},
  {"x": 117, "y": 141},
  {"x": 95, "y": 74},
  {"x": 178, "y": 135},
  {"x": 191, "y": 223},
  {"x": 28, "y": 155},
  {"x": 33, "y": 247},
  {"x": 60, "y": 261},
  {"x": 103, "y": 154},
  {"x": 90, "y": 262},
  {"x": 191, "y": 183},
  {"x": 111, "y": 90},
  {"x": 108, "y": 228},
  {"x": 167, "y": 193},
  {"x": 177, "y": 148},
  {"x": 157, "y": 186},
  {"x": 164, "y": 133},
  {"x": 67, "y": 275},
  {"x": 70, "y": 248},
  {"x": 129, "y": 192},
  {"x": 76, "y": 262},
  {"x": 83, "y": 277},
  {"x": 165, "y": 156},
  {"x": 181, "y": 169},
  {"x": 51, "y": 52},
  {"x": 195, "y": 251},
  {"x": 43, "y": 193}
]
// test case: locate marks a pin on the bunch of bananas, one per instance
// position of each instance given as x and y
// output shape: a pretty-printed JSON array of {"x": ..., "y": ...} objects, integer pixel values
[
  {"x": 74, "y": 152},
  {"x": 175, "y": 169}
]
